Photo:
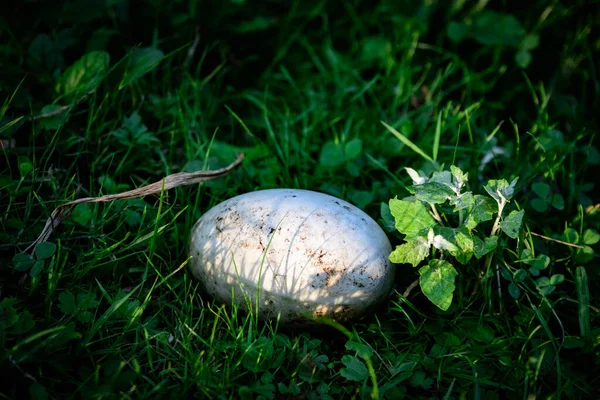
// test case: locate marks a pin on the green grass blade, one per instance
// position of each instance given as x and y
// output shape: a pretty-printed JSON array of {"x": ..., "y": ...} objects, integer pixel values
[
  {"x": 583, "y": 297},
  {"x": 407, "y": 142}
]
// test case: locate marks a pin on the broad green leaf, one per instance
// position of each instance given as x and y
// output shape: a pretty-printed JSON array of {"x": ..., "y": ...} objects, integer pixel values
[
  {"x": 584, "y": 255},
  {"x": 523, "y": 58},
  {"x": 419, "y": 379},
  {"x": 482, "y": 247},
  {"x": 331, "y": 155},
  {"x": 25, "y": 165},
  {"x": 483, "y": 210},
  {"x": 443, "y": 177},
  {"x": 530, "y": 42},
  {"x": 570, "y": 235},
  {"x": 67, "y": 303},
  {"x": 55, "y": 121},
  {"x": 539, "y": 205},
  {"x": 495, "y": 28},
  {"x": 362, "y": 349},
  {"x": 540, "y": 262},
  {"x": 412, "y": 252},
  {"x": 462, "y": 240},
  {"x": 519, "y": 275},
  {"x": 557, "y": 279},
  {"x": 463, "y": 201},
  {"x": 85, "y": 75},
  {"x": 460, "y": 178},
  {"x": 591, "y": 237},
  {"x": 8, "y": 314},
  {"x": 360, "y": 198},
  {"x": 412, "y": 218},
  {"x": 45, "y": 250},
  {"x": 512, "y": 223},
  {"x": 353, "y": 149},
  {"x": 139, "y": 62},
  {"x": 354, "y": 369},
  {"x": 437, "y": 282},
  {"x": 23, "y": 324},
  {"x": 541, "y": 189},
  {"x": 389, "y": 223},
  {"x": 431, "y": 192},
  {"x": 544, "y": 286},
  {"x": 22, "y": 262},
  {"x": 37, "y": 268},
  {"x": 557, "y": 201},
  {"x": 500, "y": 189},
  {"x": 457, "y": 31},
  {"x": 514, "y": 291}
]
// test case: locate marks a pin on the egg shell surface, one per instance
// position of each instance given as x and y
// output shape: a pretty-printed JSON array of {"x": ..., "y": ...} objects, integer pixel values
[{"x": 302, "y": 254}]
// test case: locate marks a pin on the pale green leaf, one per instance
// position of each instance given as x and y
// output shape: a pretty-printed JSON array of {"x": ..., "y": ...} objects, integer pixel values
[
  {"x": 85, "y": 75},
  {"x": 437, "y": 282},
  {"x": 482, "y": 247},
  {"x": 591, "y": 237},
  {"x": 412, "y": 252},
  {"x": 412, "y": 218},
  {"x": 139, "y": 62},
  {"x": 483, "y": 210},
  {"x": 431, "y": 192},
  {"x": 354, "y": 369},
  {"x": 463, "y": 201},
  {"x": 512, "y": 223},
  {"x": 462, "y": 240}
]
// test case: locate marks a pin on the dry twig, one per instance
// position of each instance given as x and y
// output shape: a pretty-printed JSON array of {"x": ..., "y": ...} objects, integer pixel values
[{"x": 172, "y": 181}]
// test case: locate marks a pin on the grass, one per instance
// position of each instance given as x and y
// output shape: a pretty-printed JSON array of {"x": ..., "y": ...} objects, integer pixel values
[{"x": 326, "y": 96}]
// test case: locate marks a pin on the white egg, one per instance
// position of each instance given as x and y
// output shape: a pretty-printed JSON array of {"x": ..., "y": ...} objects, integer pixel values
[{"x": 292, "y": 254}]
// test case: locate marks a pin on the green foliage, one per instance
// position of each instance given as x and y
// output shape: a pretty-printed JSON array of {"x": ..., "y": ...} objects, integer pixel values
[
  {"x": 105, "y": 96},
  {"x": 423, "y": 230}
]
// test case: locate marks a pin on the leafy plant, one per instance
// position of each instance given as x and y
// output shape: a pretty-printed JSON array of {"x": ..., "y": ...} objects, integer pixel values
[{"x": 454, "y": 233}]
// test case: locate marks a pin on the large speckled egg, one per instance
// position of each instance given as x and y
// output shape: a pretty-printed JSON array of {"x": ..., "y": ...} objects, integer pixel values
[{"x": 301, "y": 254}]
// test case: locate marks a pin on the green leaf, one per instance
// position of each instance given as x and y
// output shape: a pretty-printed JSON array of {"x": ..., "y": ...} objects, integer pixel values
[
  {"x": 431, "y": 192},
  {"x": 389, "y": 223},
  {"x": 67, "y": 303},
  {"x": 45, "y": 250},
  {"x": 355, "y": 370},
  {"x": 523, "y": 58},
  {"x": 530, "y": 42},
  {"x": 482, "y": 247},
  {"x": 8, "y": 314},
  {"x": 55, "y": 121},
  {"x": 483, "y": 210},
  {"x": 541, "y": 189},
  {"x": 22, "y": 262},
  {"x": 331, "y": 155},
  {"x": 362, "y": 349},
  {"x": 419, "y": 379},
  {"x": 520, "y": 275},
  {"x": 24, "y": 324},
  {"x": 462, "y": 240},
  {"x": 540, "y": 262},
  {"x": 495, "y": 28},
  {"x": 37, "y": 268},
  {"x": 437, "y": 282},
  {"x": 539, "y": 205},
  {"x": 353, "y": 149},
  {"x": 463, "y": 201},
  {"x": 360, "y": 198},
  {"x": 85, "y": 75},
  {"x": 570, "y": 235},
  {"x": 514, "y": 291},
  {"x": 511, "y": 225},
  {"x": 457, "y": 31},
  {"x": 37, "y": 392},
  {"x": 139, "y": 62},
  {"x": 544, "y": 286},
  {"x": 558, "y": 201},
  {"x": 500, "y": 190},
  {"x": 590, "y": 237},
  {"x": 25, "y": 165},
  {"x": 418, "y": 178},
  {"x": 412, "y": 218},
  {"x": 557, "y": 279},
  {"x": 584, "y": 255},
  {"x": 412, "y": 252}
]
